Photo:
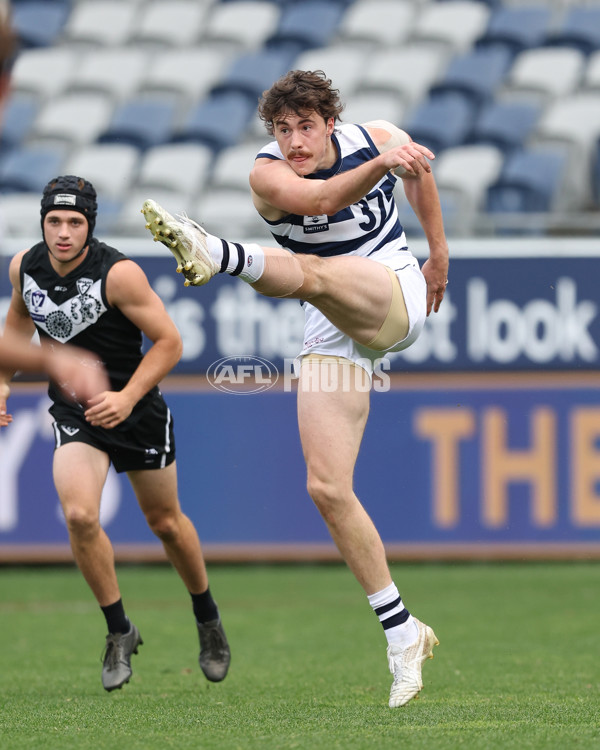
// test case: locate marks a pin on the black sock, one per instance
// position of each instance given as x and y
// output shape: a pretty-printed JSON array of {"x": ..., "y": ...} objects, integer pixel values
[
  {"x": 205, "y": 607},
  {"x": 116, "y": 619}
]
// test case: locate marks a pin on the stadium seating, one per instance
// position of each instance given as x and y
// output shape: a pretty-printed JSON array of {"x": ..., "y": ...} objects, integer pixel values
[
  {"x": 377, "y": 23},
  {"x": 142, "y": 121},
  {"x": 30, "y": 169},
  {"x": 580, "y": 28},
  {"x": 442, "y": 121},
  {"x": 546, "y": 72},
  {"x": 529, "y": 182},
  {"x": 39, "y": 23},
  {"x": 455, "y": 24},
  {"x": 190, "y": 72},
  {"x": 517, "y": 27},
  {"x": 101, "y": 22},
  {"x": 253, "y": 72},
  {"x": 245, "y": 24},
  {"x": 306, "y": 24},
  {"x": 167, "y": 91},
  {"x": 477, "y": 74},
  {"x": 114, "y": 72},
  {"x": 468, "y": 171},
  {"x": 17, "y": 121},
  {"x": 20, "y": 214},
  {"x": 408, "y": 71},
  {"x": 73, "y": 118},
  {"x": 229, "y": 213},
  {"x": 176, "y": 166},
  {"x": 374, "y": 105},
  {"x": 170, "y": 22},
  {"x": 111, "y": 167},
  {"x": 232, "y": 166},
  {"x": 591, "y": 77},
  {"x": 596, "y": 172},
  {"x": 44, "y": 71},
  {"x": 218, "y": 121},
  {"x": 129, "y": 220},
  {"x": 505, "y": 124},
  {"x": 344, "y": 70}
]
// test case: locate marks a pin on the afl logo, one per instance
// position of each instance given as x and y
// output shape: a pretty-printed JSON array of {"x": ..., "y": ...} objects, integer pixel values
[{"x": 242, "y": 375}]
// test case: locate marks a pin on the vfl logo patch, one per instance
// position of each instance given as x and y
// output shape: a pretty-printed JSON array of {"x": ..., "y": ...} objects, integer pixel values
[
  {"x": 312, "y": 224},
  {"x": 68, "y": 430},
  {"x": 37, "y": 302},
  {"x": 83, "y": 286}
]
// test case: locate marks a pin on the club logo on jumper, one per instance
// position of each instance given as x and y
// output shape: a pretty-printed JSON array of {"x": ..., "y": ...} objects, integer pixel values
[
  {"x": 68, "y": 430},
  {"x": 313, "y": 224},
  {"x": 242, "y": 375}
]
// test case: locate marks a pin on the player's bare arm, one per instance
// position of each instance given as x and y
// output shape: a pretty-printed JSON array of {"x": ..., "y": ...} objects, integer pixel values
[
  {"x": 277, "y": 190},
  {"x": 18, "y": 327},
  {"x": 128, "y": 289}
]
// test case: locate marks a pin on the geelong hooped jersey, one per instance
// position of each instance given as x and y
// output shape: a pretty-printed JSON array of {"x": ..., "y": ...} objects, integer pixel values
[
  {"x": 369, "y": 225},
  {"x": 74, "y": 309}
]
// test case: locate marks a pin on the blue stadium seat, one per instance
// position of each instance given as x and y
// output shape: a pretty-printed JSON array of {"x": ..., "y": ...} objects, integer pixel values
[
  {"x": 254, "y": 72},
  {"x": 596, "y": 173},
  {"x": 580, "y": 28},
  {"x": 441, "y": 121},
  {"x": 39, "y": 23},
  {"x": 529, "y": 182},
  {"x": 477, "y": 73},
  {"x": 517, "y": 27},
  {"x": 506, "y": 125},
  {"x": 28, "y": 170},
  {"x": 17, "y": 122},
  {"x": 218, "y": 121},
  {"x": 143, "y": 121},
  {"x": 307, "y": 23}
]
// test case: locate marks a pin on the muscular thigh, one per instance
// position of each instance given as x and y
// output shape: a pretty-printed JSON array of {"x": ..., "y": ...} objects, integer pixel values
[
  {"x": 156, "y": 489},
  {"x": 79, "y": 472},
  {"x": 333, "y": 405}
]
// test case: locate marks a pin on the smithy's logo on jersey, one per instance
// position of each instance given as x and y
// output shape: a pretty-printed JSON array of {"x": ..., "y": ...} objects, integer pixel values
[{"x": 314, "y": 224}]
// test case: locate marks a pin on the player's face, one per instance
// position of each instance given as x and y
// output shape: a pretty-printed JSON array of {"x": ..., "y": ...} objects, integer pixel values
[
  {"x": 65, "y": 233},
  {"x": 305, "y": 141}
]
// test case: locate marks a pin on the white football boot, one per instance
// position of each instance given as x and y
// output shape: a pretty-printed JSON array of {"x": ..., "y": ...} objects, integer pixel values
[{"x": 185, "y": 239}]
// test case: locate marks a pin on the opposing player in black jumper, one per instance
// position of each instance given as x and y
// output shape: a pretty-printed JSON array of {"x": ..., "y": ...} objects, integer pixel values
[{"x": 77, "y": 290}]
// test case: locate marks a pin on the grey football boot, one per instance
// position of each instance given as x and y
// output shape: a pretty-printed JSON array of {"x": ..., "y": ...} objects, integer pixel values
[
  {"x": 214, "y": 650},
  {"x": 116, "y": 670}
]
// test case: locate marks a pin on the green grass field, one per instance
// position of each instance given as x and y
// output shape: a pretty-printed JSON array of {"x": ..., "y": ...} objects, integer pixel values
[{"x": 518, "y": 665}]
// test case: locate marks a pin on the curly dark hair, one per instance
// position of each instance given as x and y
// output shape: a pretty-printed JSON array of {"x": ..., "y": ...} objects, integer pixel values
[{"x": 300, "y": 92}]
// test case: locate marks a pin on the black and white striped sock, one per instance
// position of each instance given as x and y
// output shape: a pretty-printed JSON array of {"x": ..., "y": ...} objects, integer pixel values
[
  {"x": 398, "y": 624},
  {"x": 244, "y": 260}
]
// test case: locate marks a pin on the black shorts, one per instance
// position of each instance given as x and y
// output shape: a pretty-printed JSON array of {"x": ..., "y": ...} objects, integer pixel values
[{"x": 147, "y": 443}]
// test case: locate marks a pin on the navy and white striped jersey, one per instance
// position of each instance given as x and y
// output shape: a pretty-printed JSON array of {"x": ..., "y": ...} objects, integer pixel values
[{"x": 366, "y": 226}]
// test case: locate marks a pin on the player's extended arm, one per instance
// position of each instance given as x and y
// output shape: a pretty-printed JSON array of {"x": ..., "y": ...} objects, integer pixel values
[
  {"x": 422, "y": 194},
  {"x": 276, "y": 186},
  {"x": 128, "y": 289}
]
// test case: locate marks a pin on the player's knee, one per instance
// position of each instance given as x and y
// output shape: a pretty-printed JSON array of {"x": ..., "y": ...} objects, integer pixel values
[
  {"x": 163, "y": 525},
  {"x": 326, "y": 495},
  {"x": 81, "y": 522}
]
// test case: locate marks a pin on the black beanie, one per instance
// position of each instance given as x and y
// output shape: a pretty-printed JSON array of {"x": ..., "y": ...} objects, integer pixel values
[{"x": 71, "y": 193}]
